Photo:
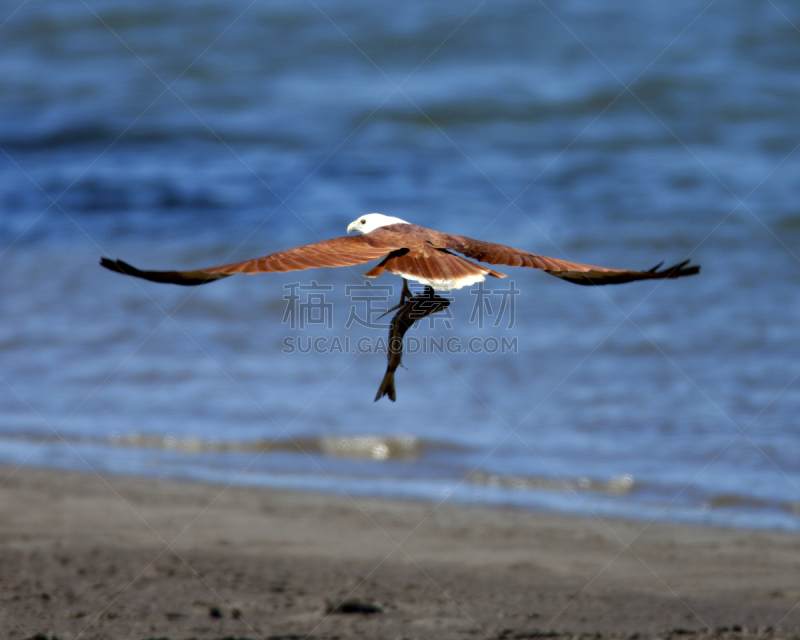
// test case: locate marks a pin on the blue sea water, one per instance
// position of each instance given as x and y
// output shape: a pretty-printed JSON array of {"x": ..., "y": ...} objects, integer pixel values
[{"x": 188, "y": 134}]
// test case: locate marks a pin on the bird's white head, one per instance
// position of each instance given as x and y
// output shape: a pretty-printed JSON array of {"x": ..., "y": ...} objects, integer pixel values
[{"x": 372, "y": 221}]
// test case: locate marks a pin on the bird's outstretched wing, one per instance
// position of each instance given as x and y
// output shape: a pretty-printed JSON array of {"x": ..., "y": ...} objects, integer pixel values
[
  {"x": 584, "y": 274},
  {"x": 336, "y": 252}
]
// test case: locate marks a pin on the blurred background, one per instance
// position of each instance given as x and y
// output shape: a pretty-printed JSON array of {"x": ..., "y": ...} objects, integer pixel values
[{"x": 189, "y": 134}]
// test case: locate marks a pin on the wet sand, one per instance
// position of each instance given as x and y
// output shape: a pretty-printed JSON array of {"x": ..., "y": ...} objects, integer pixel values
[{"x": 109, "y": 557}]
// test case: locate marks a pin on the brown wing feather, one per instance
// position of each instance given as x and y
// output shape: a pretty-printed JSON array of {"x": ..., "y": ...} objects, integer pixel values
[
  {"x": 336, "y": 252},
  {"x": 576, "y": 272}
]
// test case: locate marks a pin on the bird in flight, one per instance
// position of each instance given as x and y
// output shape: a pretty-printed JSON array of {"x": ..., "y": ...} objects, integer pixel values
[
  {"x": 439, "y": 261},
  {"x": 412, "y": 252}
]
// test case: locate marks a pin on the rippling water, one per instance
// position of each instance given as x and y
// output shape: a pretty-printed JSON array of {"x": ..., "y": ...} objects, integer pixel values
[{"x": 196, "y": 133}]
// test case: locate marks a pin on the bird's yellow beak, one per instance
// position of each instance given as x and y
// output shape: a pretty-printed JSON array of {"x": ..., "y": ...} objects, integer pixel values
[{"x": 352, "y": 226}]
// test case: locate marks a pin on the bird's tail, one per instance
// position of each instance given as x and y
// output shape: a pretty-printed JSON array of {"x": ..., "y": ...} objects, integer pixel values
[{"x": 387, "y": 387}]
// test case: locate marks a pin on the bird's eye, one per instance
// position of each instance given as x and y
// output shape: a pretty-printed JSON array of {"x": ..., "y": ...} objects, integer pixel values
[{"x": 363, "y": 221}]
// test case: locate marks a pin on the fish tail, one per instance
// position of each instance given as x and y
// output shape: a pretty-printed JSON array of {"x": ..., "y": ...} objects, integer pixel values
[{"x": 387, "y": 387}]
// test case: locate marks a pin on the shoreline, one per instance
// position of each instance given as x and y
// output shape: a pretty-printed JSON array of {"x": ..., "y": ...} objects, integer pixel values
[{"x": 118, "y": 557}]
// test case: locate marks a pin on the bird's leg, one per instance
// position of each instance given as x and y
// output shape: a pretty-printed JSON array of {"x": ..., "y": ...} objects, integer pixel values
[
  {"x": 405, "y": 293},
  {"x": 405, "y": 296},
  {"x": 426, "y": 304}
]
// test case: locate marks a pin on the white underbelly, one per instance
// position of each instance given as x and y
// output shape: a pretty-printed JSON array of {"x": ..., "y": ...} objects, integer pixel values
[{"x": 445, "y": 285}]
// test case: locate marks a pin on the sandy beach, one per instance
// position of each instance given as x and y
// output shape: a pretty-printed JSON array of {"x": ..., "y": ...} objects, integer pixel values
[{"x": 110, "y": 557}]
